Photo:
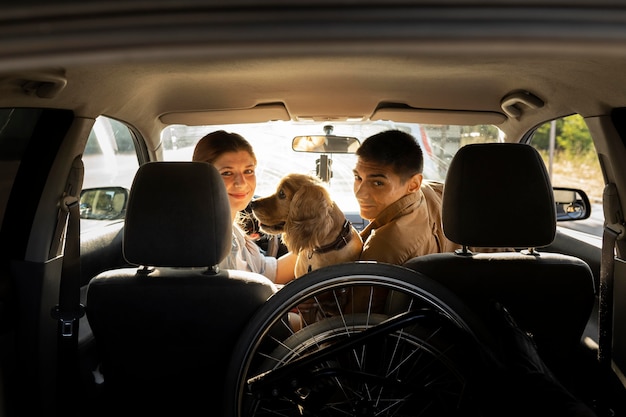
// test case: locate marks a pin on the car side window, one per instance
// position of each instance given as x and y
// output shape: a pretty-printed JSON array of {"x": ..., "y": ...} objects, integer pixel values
[
  {"x": 110, "y": 160},
  {"x": 570, "y": 156},
  {"x": 571, "y": 159}
]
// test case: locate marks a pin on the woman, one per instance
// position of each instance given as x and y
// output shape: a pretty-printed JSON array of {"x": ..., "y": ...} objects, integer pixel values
[{"x": 234, "y": 158}]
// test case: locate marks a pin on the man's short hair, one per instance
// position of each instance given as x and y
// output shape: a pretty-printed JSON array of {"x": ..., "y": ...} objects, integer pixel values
[{"x": 396, "y": 149}]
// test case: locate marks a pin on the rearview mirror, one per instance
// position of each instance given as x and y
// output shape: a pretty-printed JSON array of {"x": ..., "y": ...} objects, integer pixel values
[
  {"x": 325, "y": 144},
  {"x": 571, "y": 204},
  {"x": 106, "y": 203}
]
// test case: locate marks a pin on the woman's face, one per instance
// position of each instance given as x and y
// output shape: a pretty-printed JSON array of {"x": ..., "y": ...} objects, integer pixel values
[{"x": 238, "y": 172}]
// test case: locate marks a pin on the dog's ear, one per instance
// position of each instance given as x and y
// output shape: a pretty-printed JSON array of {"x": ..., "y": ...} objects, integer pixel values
[{"x": 310, "y": 218}]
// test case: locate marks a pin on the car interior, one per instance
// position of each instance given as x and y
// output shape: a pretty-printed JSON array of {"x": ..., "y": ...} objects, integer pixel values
[{"x": 111, "y": 300}]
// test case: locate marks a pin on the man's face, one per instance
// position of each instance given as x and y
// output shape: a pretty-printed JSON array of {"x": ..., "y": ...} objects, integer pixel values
[{"x": 376, "y": 186}]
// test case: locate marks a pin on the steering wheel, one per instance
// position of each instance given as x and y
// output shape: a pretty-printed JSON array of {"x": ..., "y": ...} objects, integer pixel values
[{"x": 419, "y": 352}]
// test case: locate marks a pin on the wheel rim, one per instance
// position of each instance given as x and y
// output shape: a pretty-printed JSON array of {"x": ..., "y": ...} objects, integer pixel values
[{"x": 411, "y": 356}]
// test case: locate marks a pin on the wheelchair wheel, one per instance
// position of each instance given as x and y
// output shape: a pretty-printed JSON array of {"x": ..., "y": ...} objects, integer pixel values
[{"x": 414, "y": 351}]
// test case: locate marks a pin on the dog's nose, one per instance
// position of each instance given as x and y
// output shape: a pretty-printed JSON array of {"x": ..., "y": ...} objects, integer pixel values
[{"x": 252, "y": 204}]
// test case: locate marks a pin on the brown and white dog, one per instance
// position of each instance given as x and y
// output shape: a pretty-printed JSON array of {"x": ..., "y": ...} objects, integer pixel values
[{"x": 311, "y": 224}]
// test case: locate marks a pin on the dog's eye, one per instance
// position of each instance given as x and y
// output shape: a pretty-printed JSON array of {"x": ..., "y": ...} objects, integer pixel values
[{"x": 282, "y": 195}]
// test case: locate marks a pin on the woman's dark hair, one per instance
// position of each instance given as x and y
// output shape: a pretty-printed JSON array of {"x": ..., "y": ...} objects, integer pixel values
[
  {"x": 396, "y": 149},
  {"x": 217, "y": 143}
]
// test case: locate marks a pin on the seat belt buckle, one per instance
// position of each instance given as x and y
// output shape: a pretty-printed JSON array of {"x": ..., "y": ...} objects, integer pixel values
[{"x": 67, "y": 319}]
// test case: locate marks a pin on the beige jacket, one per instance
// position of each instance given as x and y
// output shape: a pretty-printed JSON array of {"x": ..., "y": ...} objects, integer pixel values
[{"x": 408, "y": 228}]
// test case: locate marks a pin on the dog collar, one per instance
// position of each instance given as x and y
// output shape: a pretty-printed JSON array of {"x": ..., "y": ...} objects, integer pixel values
[{"x": 342, "y": 240}]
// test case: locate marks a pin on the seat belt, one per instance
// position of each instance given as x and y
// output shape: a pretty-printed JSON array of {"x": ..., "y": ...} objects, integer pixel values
[
  {"x": 69, "y": 310},
  {"x": 614, "y": 230}
]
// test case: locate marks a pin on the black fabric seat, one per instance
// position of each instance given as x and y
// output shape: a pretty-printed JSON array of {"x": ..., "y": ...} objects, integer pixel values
[
  {"x": 499, "y": 195},
  {"x": 165, "y": 330}
]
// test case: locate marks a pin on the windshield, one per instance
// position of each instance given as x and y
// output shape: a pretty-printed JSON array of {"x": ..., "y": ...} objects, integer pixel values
[{"x": 272, "y": 143}]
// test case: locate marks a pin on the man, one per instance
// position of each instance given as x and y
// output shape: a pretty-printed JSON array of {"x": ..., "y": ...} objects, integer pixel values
[{"x": 404, "y": 210}]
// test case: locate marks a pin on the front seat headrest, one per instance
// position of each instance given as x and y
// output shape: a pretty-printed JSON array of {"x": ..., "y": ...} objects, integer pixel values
[
  {"x": 498, "y": 195},
  {"x": 178, "y": 215}
]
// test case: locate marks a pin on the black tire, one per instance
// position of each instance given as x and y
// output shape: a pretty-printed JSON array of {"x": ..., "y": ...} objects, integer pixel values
[{"x": 423, "y": 353}]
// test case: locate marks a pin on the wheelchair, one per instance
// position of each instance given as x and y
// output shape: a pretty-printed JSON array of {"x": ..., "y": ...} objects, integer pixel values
[{"x": 420, "y": 352}]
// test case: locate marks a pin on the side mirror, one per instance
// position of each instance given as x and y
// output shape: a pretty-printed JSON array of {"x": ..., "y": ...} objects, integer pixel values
[
  {"x": 571, "y": 204},
  {"x": 325, "y": 144},
  {"x": 106, "y": 203}
]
